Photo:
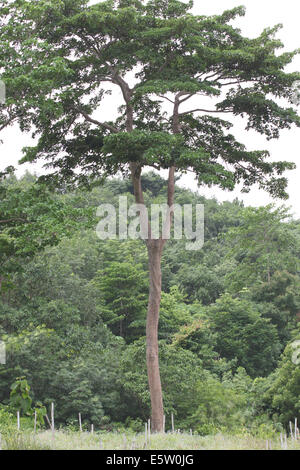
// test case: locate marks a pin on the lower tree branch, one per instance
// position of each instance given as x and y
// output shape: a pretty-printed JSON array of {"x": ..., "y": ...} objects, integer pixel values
[
  {"x": 204, "y": 111},
  {"x": 96, "y": 122}
]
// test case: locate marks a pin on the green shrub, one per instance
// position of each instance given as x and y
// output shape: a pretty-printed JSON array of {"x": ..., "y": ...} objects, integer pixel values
[
  {"x": 8, "y": 421},
  {"x": 135, "y": 425}
]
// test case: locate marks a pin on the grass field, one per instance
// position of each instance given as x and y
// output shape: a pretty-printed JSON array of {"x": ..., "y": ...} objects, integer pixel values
[{"x": 63, "y": 440}]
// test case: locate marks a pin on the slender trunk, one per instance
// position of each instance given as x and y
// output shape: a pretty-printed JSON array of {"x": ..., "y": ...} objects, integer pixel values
[{"x": 155, "y": 248}]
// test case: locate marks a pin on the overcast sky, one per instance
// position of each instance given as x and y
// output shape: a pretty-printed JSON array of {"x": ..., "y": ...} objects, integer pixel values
[{"x": 260, "y": 14}]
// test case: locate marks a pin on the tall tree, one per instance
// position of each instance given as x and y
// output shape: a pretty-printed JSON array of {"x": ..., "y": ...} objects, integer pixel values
[{"x": 61, "y": 58}]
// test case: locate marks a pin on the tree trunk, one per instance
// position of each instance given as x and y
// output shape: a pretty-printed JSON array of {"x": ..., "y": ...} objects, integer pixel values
[{"x": 155, "y": 248}]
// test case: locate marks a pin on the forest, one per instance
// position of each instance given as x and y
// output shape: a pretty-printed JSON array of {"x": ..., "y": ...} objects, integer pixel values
[{"x": 73, "y": 314}]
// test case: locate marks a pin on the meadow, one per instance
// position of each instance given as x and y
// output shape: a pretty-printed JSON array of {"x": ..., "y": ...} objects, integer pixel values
[{"x": 70, "y": 440}]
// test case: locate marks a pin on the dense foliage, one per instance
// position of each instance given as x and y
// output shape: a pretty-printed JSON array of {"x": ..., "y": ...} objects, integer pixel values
[{"x": 72, "y": 313}]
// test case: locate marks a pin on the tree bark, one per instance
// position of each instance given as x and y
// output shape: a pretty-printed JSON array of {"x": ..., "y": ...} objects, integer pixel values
[{"x": 155, "y": 248}]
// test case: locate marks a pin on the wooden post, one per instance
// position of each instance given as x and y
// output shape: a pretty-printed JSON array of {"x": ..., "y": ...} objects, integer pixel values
[
  {"x": 172, "y": 420},
  {"x": 35, "y": 421},
  {"x": 285, "y": 442},
  {"x": 92, "y": 428},
  {"x": 291, "y": 430},
  {"x": 79, "y": 419},
  {"x": 133, "y": 443},
  {"x": 18, "y": 420},
  {"x": 146, "y": 434},
  {"x": 281, "y": 441},
  {"x": 48, "y": 421},
  {"x": 52, "y": 419},
  {"x": 149, "y": 429}
]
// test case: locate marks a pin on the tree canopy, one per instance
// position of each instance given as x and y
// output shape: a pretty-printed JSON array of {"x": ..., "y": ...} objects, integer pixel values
[{"x": 61, "y": 58}]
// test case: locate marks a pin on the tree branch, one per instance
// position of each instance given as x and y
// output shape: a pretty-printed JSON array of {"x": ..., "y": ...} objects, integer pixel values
[
  {"x": 165, "y": 98},
  {"x": 97, "y": 123},
  {"x": 234, "y": 83},
  {"x": 8, "y": 122},
  {"x": 203, "y": 111},
  {"x": 187, "y": 97}
]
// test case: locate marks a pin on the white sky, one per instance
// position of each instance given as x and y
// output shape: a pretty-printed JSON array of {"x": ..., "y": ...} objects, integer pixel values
[{"x": 260, "y": 14}]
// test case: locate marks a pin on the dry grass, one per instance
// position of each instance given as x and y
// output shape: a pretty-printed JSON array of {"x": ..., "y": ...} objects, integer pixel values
[{"x": 63, "y": 440}]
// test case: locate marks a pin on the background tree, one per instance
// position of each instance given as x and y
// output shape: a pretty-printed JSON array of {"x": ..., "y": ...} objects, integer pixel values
[
  {"x": 263, "y": 243},
  {"x": 282, "y": 397},
  {"x": 279, "y": 301},
  {"x": 31, "y": 218},
  {"x": 123, "y": 293},
  {"x": 243, "y": 334},
  {"x": 59, "y": 56}
]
